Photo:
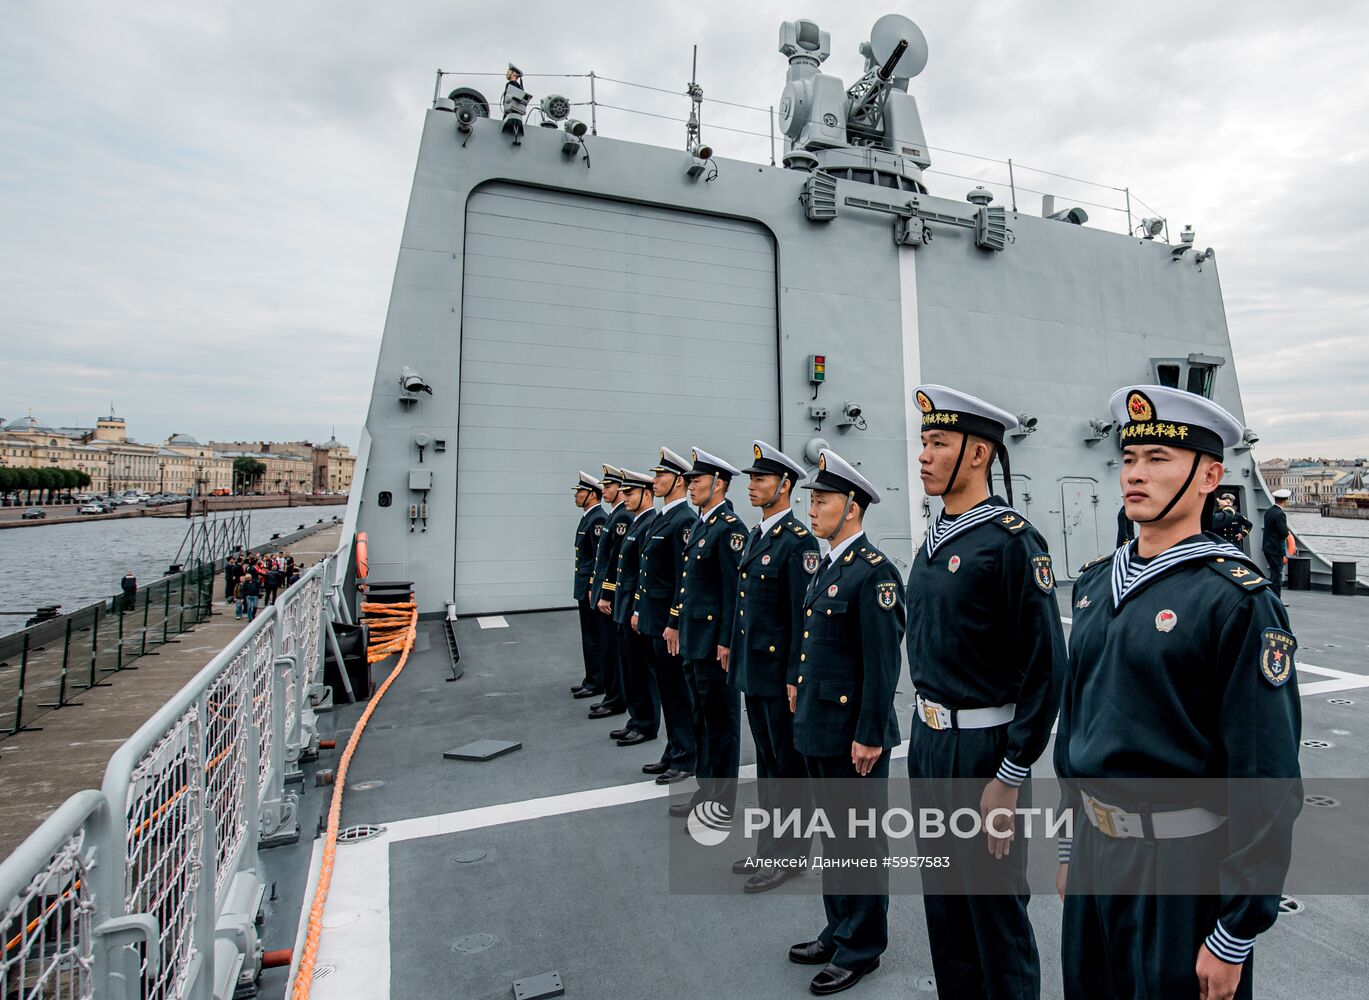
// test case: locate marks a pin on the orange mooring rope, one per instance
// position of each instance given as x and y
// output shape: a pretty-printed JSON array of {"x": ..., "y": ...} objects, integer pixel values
[{"x": 402, "y": 644}]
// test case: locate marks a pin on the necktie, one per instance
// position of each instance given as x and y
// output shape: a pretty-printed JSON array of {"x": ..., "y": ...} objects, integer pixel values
[{"x": 751, "y": 540}]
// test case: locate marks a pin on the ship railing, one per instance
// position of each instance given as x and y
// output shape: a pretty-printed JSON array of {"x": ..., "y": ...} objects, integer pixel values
[{"x": 151, "y": 887}]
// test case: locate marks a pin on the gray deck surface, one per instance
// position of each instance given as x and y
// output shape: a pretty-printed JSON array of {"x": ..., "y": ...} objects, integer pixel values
[{"x": 586, "y": 894}]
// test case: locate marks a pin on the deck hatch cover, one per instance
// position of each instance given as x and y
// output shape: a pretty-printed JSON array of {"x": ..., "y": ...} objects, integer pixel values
[
  {"x": 482, "y": 750},
  {"x": 542, "y": 987}
]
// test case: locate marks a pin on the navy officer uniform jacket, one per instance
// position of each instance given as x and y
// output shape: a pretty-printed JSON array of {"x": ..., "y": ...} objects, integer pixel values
[
  {"x": 849, "y": 658},
  {"x": 662, "y": 561},
  {"x": 587, "y": 535},
  {"x": 776, "y": 568},
  {"x": 707, "y": 598},
  {"x": 1181, "y": 666},
  {"x": 606, "y": 555},
  {"x": 629, "y": 566},
  {"x": 984, "y": 629}
]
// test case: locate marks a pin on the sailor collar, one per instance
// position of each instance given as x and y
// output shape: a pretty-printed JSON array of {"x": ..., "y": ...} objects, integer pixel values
[
  {"x": 1130, "y": 574},
  {"x": 945, "y": 528}
]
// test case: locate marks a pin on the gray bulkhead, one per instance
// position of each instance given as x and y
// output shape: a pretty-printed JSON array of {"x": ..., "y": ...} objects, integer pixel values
[{"x": 1047, "y": 327}]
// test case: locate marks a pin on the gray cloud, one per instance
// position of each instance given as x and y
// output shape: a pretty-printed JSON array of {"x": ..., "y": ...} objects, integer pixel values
[{"x": 203, "y": 205}]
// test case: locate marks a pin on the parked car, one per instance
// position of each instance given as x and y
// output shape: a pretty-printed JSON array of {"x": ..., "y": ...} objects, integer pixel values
[
  {"x": 35, "y": 514},
  {"x": 91, "y": 508}
]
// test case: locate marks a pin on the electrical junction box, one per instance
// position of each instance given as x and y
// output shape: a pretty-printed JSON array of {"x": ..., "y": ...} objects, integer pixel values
[{"x": 420, "y": 479}]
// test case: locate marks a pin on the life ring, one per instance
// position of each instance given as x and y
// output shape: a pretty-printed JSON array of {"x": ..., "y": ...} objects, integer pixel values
[
  {"x": 1292, "y": 545},
  {"x": 361, "y": 555}
]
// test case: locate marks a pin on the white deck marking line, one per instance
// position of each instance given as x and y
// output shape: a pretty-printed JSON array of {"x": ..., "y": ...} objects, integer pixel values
[{"x": 493, "y": 621}]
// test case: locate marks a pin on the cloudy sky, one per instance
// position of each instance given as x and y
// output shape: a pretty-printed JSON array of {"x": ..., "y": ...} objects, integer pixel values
[{"x": 201, "y": 204}]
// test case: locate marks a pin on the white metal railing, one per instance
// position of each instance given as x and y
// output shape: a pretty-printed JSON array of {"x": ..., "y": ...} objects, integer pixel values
[{"x": 150, "y": 887}]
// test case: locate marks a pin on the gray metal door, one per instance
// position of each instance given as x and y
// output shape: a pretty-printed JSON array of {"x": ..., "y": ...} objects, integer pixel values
[
  {"x": 1079, "y": 513},
  {"x": 595, "y": 331}
]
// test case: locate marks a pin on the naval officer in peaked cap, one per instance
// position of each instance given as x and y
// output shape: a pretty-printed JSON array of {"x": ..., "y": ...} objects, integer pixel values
[
  {"x": 654, "y": 611},
  {"x": 777, "y": 563},
  {"x": 635, "y": 652},
  {"x": 986, "y": 655},
  {"x": 706, "y": 604},
  {"x": 844, "y": 720},
  {"x": 1181, "y": 667},
  {"x": 589, "y": 493},
  {"x": 602, "y": 587}
]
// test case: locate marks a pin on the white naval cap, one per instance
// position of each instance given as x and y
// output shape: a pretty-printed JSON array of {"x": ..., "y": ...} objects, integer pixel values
[
  {"x": 637, "y": 480},
  {"x": 613, "y": 474},
  {"x": 836, "y": 475},
  {"x": 1282, "y": 494},
  {"x": 769, "y": 461},
  {"x": 710, "y": 465},
  {"x": 1157, "y": 414},
  {"x": 946, "y": 409},
  {"x": 671, "y": 462},
  {"x": 588, "y": 482}
]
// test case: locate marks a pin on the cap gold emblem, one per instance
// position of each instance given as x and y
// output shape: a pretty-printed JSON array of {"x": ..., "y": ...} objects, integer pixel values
[
  {"x": 924, "y": 404},
  {"x": 1139, "y": 408}
]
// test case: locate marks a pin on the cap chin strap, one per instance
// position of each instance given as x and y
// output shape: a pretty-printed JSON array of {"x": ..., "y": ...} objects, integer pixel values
[
  {"x": 955, "y": 470},
  {"x": 850, "y": 499},
  {"x": 1197, "y": 457},
  {"x": 1000, "y": 452},
  {"x": 712, "y": 485},
  {"x": 776, "y": 495}
]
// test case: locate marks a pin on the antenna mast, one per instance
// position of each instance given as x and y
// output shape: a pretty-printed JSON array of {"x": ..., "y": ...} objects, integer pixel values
[{"x": 693, "y": 127}]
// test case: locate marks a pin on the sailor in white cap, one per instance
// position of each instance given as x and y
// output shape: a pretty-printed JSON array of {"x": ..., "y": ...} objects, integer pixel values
[
  {"x": 844, "y": 720},
  {"x": 779, "y": 560},
  {"x": 1181, "y": 667},
  {"x": 706, "y": 606},
  {"x": 1274, "y": 541},
  {"x": 986, "y": 655},
  {"x": 654, "y": 612},
  {"x": 588, "y": 493},
  {"x": 635, "y": 652},
  {"x": 601, "y": 593}
]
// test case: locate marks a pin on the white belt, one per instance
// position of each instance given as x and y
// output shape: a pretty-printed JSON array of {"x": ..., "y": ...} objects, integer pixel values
[
  {"x": 1111, "y": 821},
  {"x": 936, "y": 716}
]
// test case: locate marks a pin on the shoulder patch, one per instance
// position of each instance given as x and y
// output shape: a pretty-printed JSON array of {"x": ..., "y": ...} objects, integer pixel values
[
  {"x": 1011, "y": 521},
  {"x": 1042, "y": 574},
  {"x": 1237, "y": 573},
  {"x": 738, "y": 541},
  {"x": 621, "y": 529},
  {"x": 873, "y": 558},
  {"x": 810, "y": 561},
  {"x": 886, "y": 595},
  {"x": 1276, "y": 655},
  {"x": 598, "y": 529}
]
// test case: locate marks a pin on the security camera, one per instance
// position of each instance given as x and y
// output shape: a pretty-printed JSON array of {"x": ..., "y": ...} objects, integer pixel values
[
  {"x": 576, "y": 128},
  {"x": 411, "y": 381}
]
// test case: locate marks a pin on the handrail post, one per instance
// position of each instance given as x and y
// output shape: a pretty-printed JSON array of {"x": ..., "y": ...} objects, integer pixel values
[
  {"x": 147, "y": 602},
  {"x": 23, "y": 675}
]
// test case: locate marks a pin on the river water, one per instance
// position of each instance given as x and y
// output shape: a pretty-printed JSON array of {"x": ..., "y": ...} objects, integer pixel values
[
  {"x": 1333, "y": 537},
  {"x": 78, "y": 564}
]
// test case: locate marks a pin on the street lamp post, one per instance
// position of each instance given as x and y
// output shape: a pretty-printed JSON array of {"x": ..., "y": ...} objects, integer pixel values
[{"x": 161, "y": 476}]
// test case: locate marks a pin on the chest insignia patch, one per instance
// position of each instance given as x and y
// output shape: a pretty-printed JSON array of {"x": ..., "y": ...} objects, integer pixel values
[
  {"x": 1083, "y": 602},
  {"x": 1166, "y": 620},
  {"x": 954, "y": 564},
  {"x": 810, "y": 562},
  {"x": 686, "y": 533},
  {"x": 738, "y": 542},
  {"x": 1042, "y": 573},
  {"x": 622, "y": 528},
  {"x": 886, "y": 595},
  {"x": 765, "y": 560},
  {"x": 832, "y": 590},
  {"x": 1276, "y": 655}
]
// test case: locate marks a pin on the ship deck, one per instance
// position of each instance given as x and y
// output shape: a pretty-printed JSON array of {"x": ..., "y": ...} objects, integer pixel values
[{"x": 555, "y": 857}]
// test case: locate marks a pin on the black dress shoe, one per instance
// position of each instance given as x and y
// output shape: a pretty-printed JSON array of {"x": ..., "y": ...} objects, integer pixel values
[
  {"x": 633, "y": 738},
  {"x": 812, "y": 953},
  {"x": 680, "y": 808},
  {"x": 672, "y": 775},
  {"x": 770, "y": 878},
  {"x": 585, "y": 693},
  {"x": 659, "y": 767},
  {"x": 603, "y": 712},
  {"x": 618, "y": 734},
  {"x": 834, "y": 978},
  {"x": 746, "y": 866}
]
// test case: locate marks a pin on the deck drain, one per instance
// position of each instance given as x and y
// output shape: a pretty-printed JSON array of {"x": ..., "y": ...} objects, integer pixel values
[
  {"x": 324, "y": 971},
  {"x": 366, "y": 786},
  {"x": 1291, "y": 904},
  {"x": 1340, "y": 701},
  {"x": 1317, "y": 744},
  {"x": 542, "y": 987},
  {"x": 470, "y": 944},
  {"x": 469, "y": 857},
  {"x": 1321, "y": 801},
  {"x": 926, "y": 984},
  {"x": 356, "y": 834}
]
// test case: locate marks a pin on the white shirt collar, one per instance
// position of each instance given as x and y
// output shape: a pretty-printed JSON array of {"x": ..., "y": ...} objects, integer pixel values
[
  {"x": 642, "y": 513},
  {"x": 839, "y": 549},
  {"x": 769, "y": 522},
  {"x": 705, "y": 515},
  {"x": 674, "y": 503}
]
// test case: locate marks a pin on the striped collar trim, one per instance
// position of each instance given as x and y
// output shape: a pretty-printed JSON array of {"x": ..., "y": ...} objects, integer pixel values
[
  {"x": 1130, "y": 576},
  {"x": 944, "y": 529}
]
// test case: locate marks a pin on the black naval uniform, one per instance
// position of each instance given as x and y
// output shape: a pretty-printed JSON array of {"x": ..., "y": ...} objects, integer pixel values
[
  {"x": 602, "y": 588},
  {"x": 984, "y": 632},
  {"x": 657, "y": 588},
  {"x": 1231, "y": 524},
  {"x": 639, "y": 688},
  {"x": 1181, "y": 666},
  {"x": 849, "y": 661},
  {"x": 707, "y": 606},
  {"x": 587, "y": 536},
  {"x": 776, "y": 568},
  {"x": 1274, "y": 546}
]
